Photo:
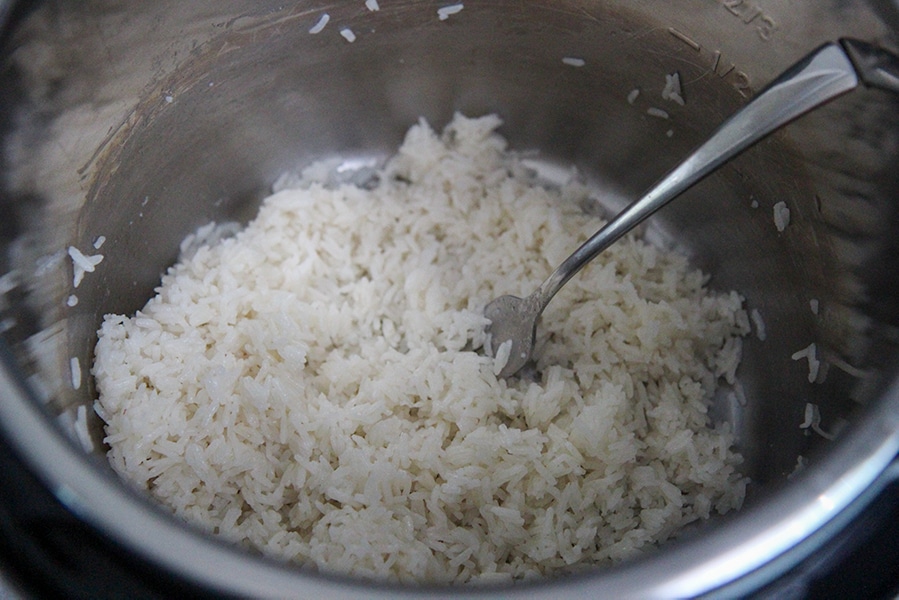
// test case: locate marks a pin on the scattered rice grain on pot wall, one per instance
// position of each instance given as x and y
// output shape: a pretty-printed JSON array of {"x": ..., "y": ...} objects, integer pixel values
[{"x": 307, "y": 387}]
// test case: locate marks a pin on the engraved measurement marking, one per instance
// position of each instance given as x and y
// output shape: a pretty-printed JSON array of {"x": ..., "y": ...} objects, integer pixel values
[
  {"x": 685, "y": 38},
  {"x": 716, "y": 62},
  {"x": 739, "y": 79},
  {"x": 750, "y": 13}
]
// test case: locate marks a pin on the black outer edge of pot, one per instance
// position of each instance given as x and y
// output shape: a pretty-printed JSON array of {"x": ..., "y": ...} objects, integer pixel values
[
  {"x": 47, "y": 552},
  {"x": 861, "y": 561},
  {"x": 853, "y": 556}
]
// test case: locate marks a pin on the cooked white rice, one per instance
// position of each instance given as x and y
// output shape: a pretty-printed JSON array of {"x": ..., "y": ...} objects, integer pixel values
[
  {"x": 320, "y": 24},
  {"x": 314, "y": 387},
  {"x": 82, "y": 264},
  {"x": 809, "y": 353},
  {"x": 781, "y": 216},
  {"x": 759, "y": 322},
  {"x": 672, "y": 90},
  {"x": 444, "y": 12},
  {"x": 75, "y": 371}
]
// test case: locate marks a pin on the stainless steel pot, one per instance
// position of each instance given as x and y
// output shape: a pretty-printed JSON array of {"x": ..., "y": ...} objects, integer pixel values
[{"x": 141, "y": 121}]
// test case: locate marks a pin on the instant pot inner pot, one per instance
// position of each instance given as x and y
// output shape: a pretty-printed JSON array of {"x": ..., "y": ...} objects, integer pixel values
[{"x": 172, "y": 124}]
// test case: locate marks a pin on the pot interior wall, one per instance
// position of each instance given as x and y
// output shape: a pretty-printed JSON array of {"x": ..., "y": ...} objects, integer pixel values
[{"x": 141, "y": 135}]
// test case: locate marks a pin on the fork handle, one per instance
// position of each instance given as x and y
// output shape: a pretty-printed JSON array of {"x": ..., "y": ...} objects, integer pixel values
[{"x": 816, "y": 79}]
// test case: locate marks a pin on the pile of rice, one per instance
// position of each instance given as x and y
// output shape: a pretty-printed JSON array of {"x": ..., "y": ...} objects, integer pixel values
[{"x": 315, "y": 386}]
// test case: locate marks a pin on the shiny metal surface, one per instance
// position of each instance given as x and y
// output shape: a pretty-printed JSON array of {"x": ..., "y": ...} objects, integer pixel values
[
  {"x": 877, "y": 67},
  {"x": 817, "y": 78},
  {"x": 140, "y": 122}
]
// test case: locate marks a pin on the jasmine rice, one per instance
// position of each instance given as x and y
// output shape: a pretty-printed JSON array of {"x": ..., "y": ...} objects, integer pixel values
[{"x": 314, "y": 387}]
